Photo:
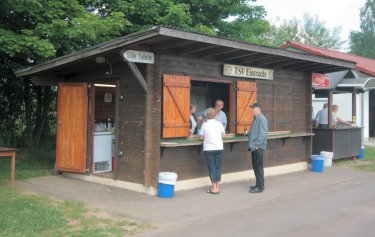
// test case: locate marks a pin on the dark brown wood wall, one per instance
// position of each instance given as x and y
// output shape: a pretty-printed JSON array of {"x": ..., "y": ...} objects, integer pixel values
[
  {"x": 290, "y": 113},
  {"x": 104, "y": 110},
  {"x": 153, "y": 124},
  {"x": 131, "y": 127}
]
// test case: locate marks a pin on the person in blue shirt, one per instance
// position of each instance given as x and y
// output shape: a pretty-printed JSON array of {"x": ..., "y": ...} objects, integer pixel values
[
  {"x": 321, "y": 119},
  {"x": 220, "y": 115},
  {"x": 257, "y": 144}
]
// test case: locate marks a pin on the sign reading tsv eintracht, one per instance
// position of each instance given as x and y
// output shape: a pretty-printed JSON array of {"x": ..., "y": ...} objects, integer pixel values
[
  {"x": 247, "y": 72},
  {"x": 139, "y": 56}
]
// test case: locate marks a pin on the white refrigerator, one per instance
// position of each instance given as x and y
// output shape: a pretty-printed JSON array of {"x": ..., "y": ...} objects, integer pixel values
[{"x": 102, "y": 152}]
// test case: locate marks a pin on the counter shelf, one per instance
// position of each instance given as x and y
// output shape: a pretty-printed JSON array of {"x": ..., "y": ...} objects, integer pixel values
[{"x": 182, "y": 142}]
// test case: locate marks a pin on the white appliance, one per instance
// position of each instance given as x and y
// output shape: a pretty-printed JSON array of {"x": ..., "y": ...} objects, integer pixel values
[{"x": 102, "y": 152}]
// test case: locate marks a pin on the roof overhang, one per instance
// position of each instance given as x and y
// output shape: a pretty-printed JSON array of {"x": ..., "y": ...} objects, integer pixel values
[
  {"x": 190, "y": 44},
  {"x": 358, "y": 84}
]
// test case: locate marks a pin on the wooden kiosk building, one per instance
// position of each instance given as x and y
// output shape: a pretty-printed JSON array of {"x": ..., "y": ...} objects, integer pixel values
[{"x": 139, "y": 88}]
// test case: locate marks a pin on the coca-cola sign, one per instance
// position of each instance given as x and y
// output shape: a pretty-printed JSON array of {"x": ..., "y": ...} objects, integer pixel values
[{"x": 320, "y": 80}]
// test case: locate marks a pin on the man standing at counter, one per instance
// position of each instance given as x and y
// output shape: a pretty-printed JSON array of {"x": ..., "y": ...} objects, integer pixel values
[
  {"x": 257, "y": 145},
  {"x": 321, "y": 119},
  {"x": 220, "y": 115}
]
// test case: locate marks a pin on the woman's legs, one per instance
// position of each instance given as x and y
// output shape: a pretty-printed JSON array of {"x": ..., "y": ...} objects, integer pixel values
[{"x": 214, "y": 160}]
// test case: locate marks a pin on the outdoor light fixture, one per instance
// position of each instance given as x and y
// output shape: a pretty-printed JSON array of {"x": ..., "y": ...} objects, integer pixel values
[
  {"x": 108, "y": 66},
  {"x": 100, "y": 59}
]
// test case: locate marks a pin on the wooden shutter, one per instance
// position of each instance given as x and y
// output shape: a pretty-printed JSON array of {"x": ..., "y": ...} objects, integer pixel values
[
  {"x": 246, "y": 96},
  {"x": 176, "y": 106}
]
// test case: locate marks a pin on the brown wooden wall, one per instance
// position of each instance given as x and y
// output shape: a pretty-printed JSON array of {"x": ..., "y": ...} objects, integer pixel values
[
  {"x": 140, "y": 121},
  {"x": 131, "y": 129},
  {"x": 286, "y": 103},
  {"x": 189, "y": 162},
  {"x": 104, "y": 110}
]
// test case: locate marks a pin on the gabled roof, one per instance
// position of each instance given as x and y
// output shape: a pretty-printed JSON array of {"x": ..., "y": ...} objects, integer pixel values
[
  {"x": 365, "y": 65},
  {"x": 166, "y": 40}
]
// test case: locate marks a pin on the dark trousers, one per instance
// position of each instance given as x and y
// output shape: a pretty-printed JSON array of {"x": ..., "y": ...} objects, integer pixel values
[
  {"x": 214, "y": 160},
  {"x": 257, "y": 159}
]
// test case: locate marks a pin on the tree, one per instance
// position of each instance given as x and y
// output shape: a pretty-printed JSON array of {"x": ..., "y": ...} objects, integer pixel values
[
  {"x": 236, "y": 19},
  {"x": 288, "y": 30},
  {"x": 311, "y": 31},
  {"x": 362, "y": 42},
  {"x": 33, "y": 31}
]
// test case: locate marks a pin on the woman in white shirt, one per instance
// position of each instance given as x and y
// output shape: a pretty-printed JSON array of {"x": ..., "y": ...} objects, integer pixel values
[
  {"x": 193, "y": 119},
  {"x": 212, "y": 133}
]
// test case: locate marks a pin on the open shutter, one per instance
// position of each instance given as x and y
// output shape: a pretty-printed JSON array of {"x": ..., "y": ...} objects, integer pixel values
[
  {"x": 176, "y": 106},
  {"x": 246, "y": 96}
]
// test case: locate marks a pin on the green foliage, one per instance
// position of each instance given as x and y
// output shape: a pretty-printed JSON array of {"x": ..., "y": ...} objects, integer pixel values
[
  {"x": 32, "y": 215},
  {"x": 288, "y": 30},
  {"x": 177, "y": 15},
  {"x": 31, "y": 162},
  {"x": 33, "y": 31},
  {"x": 362, "y": 42},
  {"x": 311, "y": 31},
  {"x": 315, "y": 33}
]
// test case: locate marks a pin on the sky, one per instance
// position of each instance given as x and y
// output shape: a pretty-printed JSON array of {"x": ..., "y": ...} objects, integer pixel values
[{"x": 341, "y": 13}]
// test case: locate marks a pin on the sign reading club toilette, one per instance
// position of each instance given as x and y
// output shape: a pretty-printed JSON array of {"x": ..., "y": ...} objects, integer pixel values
[{"x": 139, "y": 56}]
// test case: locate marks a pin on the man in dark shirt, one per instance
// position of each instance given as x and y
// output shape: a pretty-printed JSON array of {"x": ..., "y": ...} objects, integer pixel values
[{"x": 257, "y": 145}]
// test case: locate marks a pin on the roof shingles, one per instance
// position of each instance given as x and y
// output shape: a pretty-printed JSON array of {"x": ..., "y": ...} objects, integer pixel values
[{"x": 365, "y": 65}]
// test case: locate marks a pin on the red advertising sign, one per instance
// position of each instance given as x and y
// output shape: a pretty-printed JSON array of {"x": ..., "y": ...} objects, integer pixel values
[{"x": 320, "y": 80}]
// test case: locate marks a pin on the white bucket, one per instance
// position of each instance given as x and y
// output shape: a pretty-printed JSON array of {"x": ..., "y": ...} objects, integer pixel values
[{"x": 328, "y": 156}]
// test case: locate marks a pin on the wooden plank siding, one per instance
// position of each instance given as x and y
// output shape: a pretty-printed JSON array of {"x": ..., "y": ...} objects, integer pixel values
[
  {"x": 131, "y": 130},
  {"x": 153, "y": 124},
  {"x": 285, "y": 102},
  {"x": 189, "y": 162}
]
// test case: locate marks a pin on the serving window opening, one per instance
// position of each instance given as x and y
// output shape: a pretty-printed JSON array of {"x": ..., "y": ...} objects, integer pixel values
[
  {"x": 180, "y": 91},
  {"x": 204, "y": 95}
]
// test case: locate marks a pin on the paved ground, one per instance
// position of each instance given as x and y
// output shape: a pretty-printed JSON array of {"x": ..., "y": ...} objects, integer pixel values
[{"x": 337, "y": 202}]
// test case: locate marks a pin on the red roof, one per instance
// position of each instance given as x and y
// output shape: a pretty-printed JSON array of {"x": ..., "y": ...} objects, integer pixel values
[{"x": 364, "y": 65}]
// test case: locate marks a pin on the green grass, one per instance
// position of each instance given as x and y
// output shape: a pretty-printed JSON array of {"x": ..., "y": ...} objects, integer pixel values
[
  {"x": 33, "y": 215},
  {"x": 366, "y": 164},
  {"x": 29, "y": 163}
]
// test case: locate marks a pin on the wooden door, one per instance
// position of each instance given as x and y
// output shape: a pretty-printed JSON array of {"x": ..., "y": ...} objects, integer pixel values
[
  {"x": 72, "y": 109},
  {"x": 246, "y": 96},
  {"x": 176, "y": 106}
]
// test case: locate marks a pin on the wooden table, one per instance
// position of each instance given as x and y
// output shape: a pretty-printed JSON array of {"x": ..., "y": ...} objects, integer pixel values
[{"x": 10, "y": 152}]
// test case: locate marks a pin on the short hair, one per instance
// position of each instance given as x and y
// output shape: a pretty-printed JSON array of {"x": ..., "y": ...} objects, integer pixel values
[
  {"x": 219, "y": 100},
  {"x": 211, "y": 113},
  {"x": 335, "y": 106},
  {"x": 325, "y": 105},
  {"x": 192, "y": 105}
]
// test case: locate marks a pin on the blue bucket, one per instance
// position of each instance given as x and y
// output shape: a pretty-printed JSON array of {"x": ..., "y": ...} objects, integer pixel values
[
  {"x": 362, "y": 155},
  {"x": 317, "y": 163},
  {"x": 165, "y": 190}
]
